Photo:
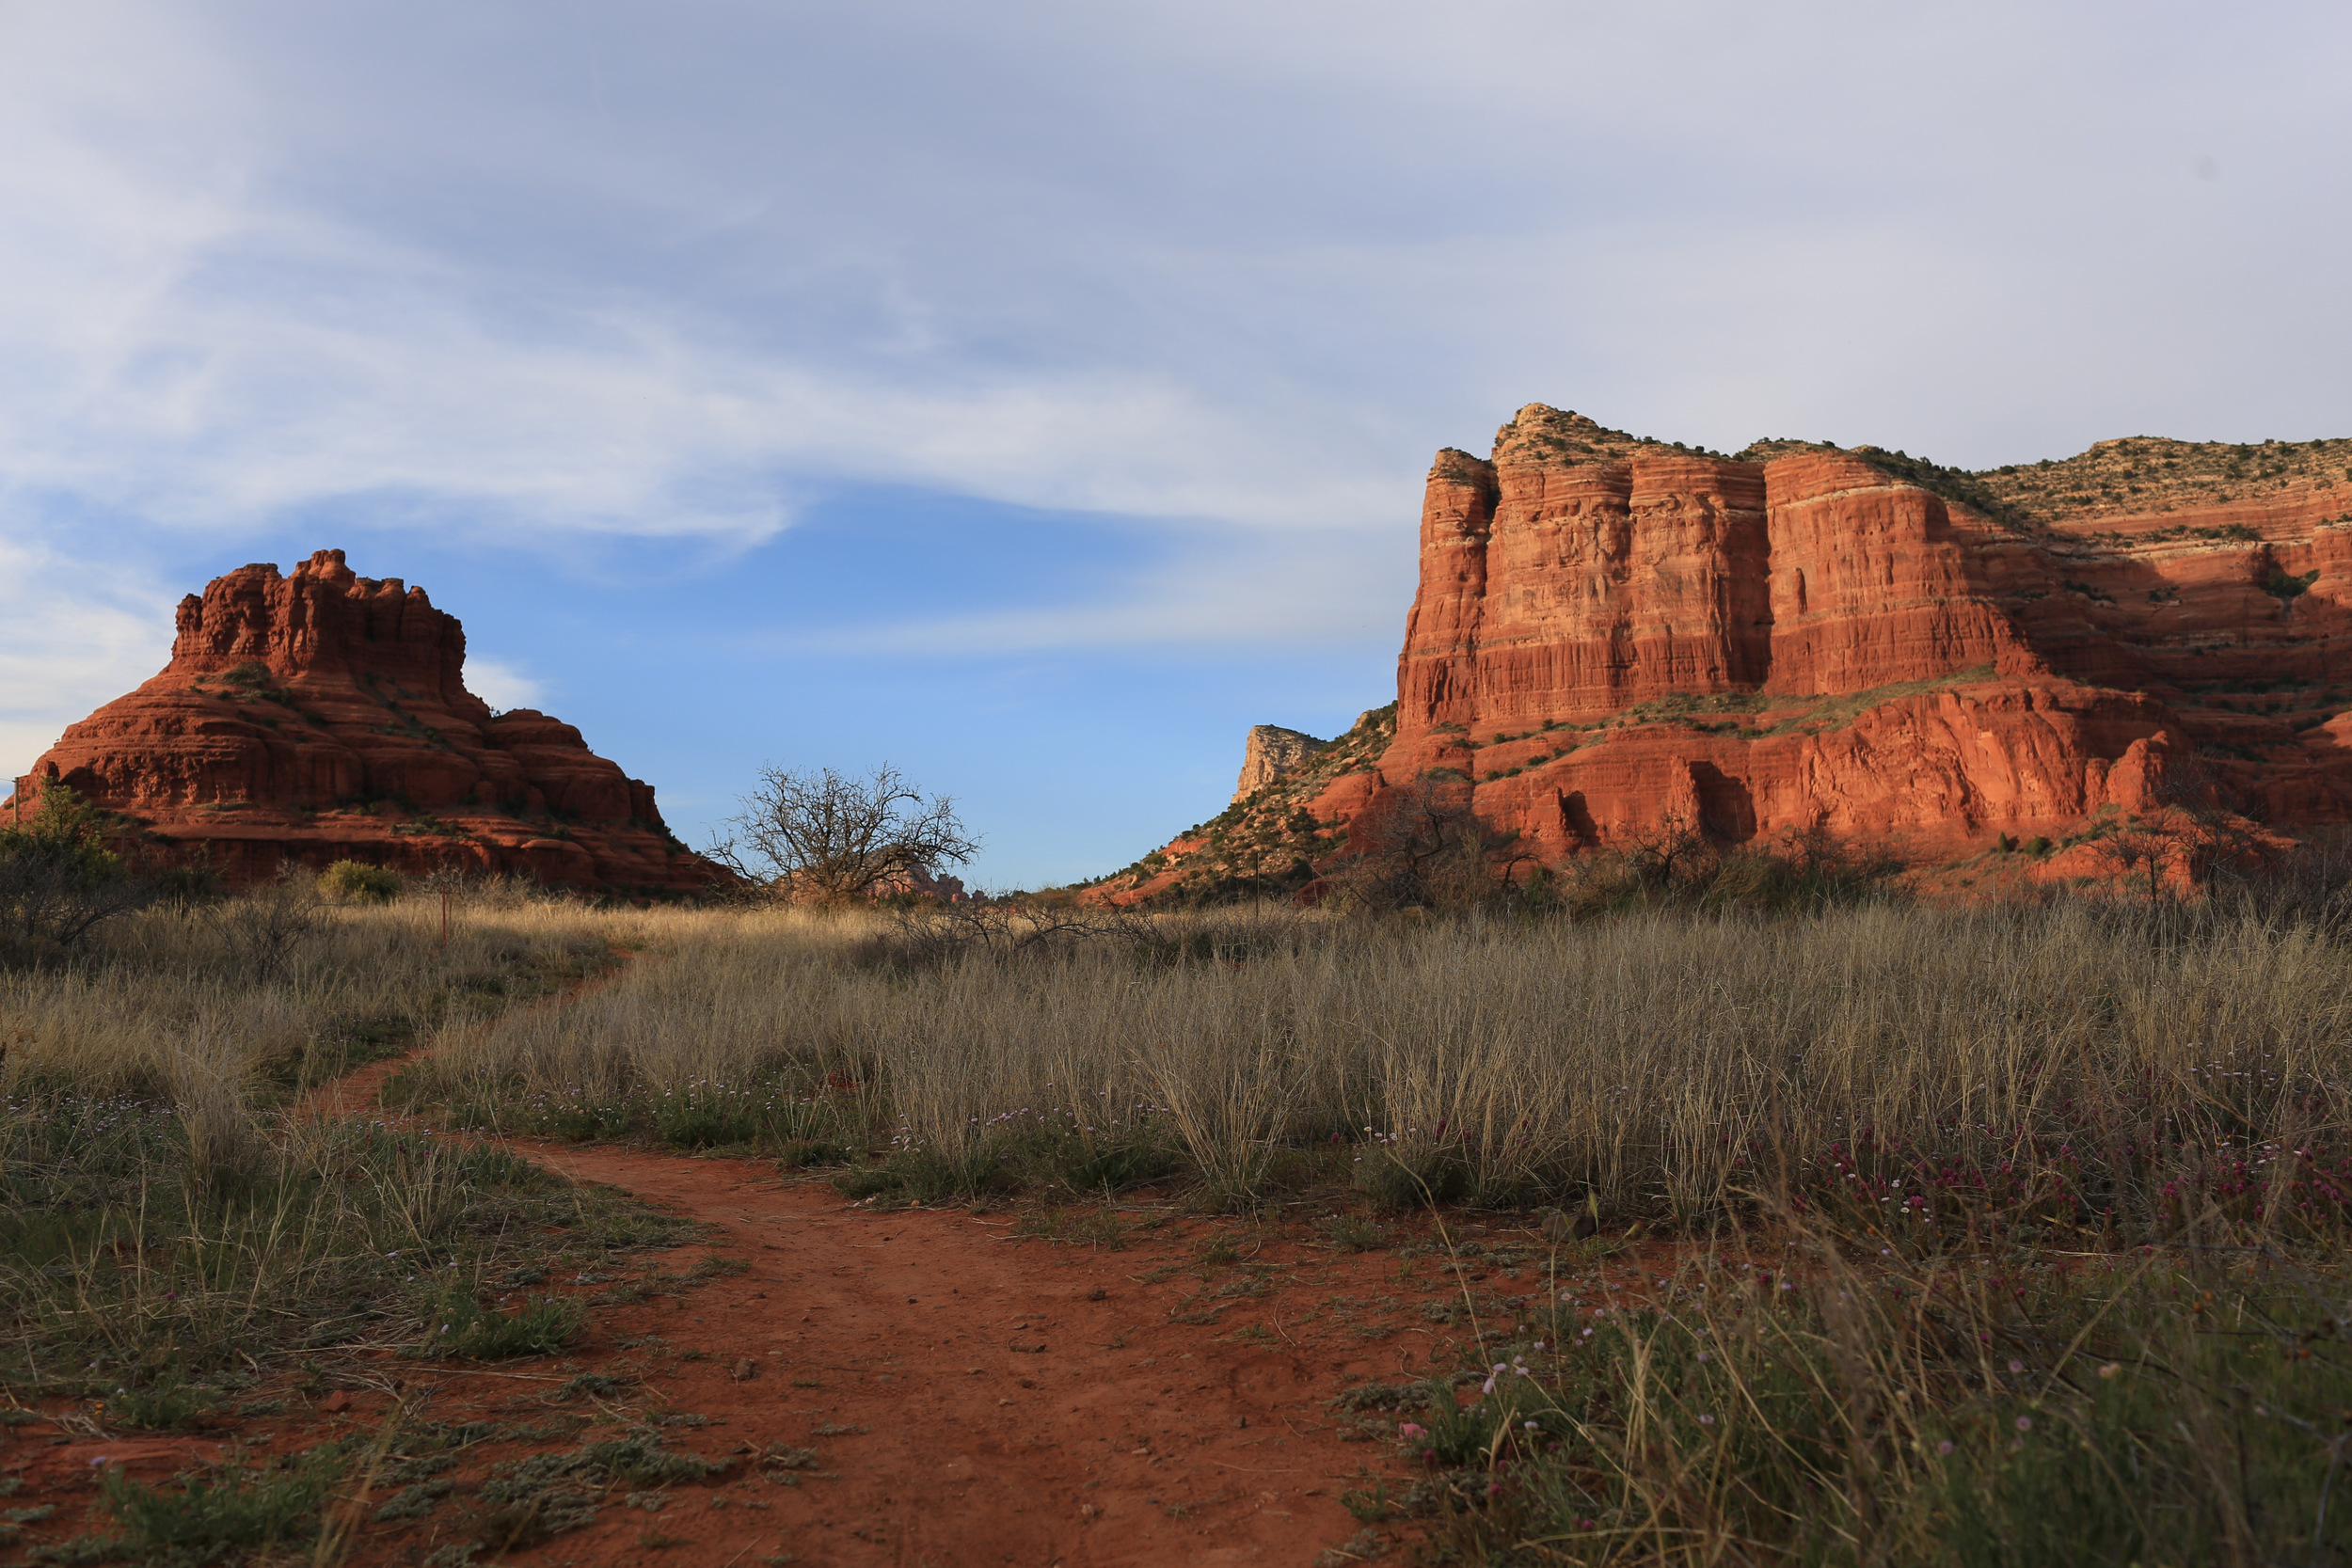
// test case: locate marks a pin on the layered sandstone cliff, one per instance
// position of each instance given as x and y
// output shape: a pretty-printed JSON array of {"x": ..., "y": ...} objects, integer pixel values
[
  {"x": 1613, "y": 636},
  {"x": 323, "y": 716},
  {"x": 1271, "y": 752}
]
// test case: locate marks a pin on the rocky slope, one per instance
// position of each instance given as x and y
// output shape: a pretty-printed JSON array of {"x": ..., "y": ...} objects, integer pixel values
[
  {"x": 1270, "y": 752},
  {"x": 324, "y": 716},
  {"x": 1615, "y": 636}
]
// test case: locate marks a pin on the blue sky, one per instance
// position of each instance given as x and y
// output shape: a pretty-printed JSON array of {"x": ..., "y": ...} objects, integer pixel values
[{"x": 1035, "y": 396}]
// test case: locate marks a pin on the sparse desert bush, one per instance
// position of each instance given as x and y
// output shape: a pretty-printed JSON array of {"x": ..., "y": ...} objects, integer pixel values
[
  {"x": 244, "y": 1507},
  {"x": 1421, "y": 846},
  {"x": 266, "y": 929},
  {"x": 358, "y": 882},
  {"x": 463, "y": 1327},
  {"x": 1677, "y": 866},
  {"x": 58, "y": 878}
]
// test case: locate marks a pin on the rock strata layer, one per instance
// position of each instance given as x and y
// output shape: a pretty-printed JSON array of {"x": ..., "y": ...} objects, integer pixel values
[
  {"x": 1271, "y": 752},
  {"x": 323, "y": 716},
  {"x": 1615, "y": 637}
]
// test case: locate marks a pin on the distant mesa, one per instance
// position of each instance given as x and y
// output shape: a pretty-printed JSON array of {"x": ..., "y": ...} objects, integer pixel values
[
  {"x": 1271, "y": 752},
  {"x": 1614, "y": 634},
  {"x": 324, "y": 716}
]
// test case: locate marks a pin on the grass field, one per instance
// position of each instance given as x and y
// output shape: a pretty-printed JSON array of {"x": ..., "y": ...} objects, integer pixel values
[
  {"x": 2050, "y": 1200},
  {"x": 173, "y": 1233},
  {"x": 2004, "y": 1235},
  {"x": 2076, "y": 1070}
]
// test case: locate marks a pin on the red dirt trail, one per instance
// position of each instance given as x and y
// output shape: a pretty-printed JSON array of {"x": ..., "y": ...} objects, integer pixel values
[
  {"x": 999, "y": 1411},
  {"x": 973, "y": 1398}
]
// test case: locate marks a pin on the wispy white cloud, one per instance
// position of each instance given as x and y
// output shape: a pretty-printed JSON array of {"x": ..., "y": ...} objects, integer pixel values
[
  {"x": 191, "y": 342},
  {"x": 1234, "y": 268},
  {"x": 500, "y": 683},
  {"x": 1227, "y": 587},
  {"x": 71, "y": 639}
]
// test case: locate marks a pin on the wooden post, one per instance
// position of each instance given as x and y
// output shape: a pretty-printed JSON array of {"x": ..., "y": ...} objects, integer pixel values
[{"x": 444, "y": 920}]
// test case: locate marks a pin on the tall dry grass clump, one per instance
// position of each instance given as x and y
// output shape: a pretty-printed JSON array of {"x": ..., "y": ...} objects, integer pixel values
[
  {"x": 2099, "y": 1064},
  {"x": 1814, "y": 1400},
  {"x": 161, "y": 1211},
  {"x": 269, "y": 994}
]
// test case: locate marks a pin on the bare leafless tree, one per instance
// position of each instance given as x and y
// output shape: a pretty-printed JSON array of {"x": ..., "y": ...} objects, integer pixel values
[
  {"x": 824, "y": 837},
  {"x": 1422, "y": 844},
  {"x": 2187, "y": 829},
  {"x": 265, "y": 930},
  {"x": 1004, "y": 929}
]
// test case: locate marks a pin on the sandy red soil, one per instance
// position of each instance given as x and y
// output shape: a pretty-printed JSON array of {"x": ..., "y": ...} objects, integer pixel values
[
  {"x": 972, "y": 1396},
  {"x": 1007, "y": 1402}
]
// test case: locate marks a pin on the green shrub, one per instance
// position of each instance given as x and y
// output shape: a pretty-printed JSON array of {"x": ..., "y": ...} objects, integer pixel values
[
  {"x": 547, "y": 1494},
  {"x": 1352, "y": 1233},
  {"x": 704, "y": 1115},
  {"x": 1099, "y": 1163},
  {"x": 868, "y": 1182},
  {"x": 930, "y": 1176},
  {"x": 58, "y": 877},
  {"x": 570, "y": 1112},
  {"x": 591, "y": 1386},
  {"x": 220, "y": 1517},
  {"x": 541, "y": 1328},
  {"x": 358, "y": 882},
  {"x": 166, "y": 1406},
  {"x": 1396, "y": 1178}
]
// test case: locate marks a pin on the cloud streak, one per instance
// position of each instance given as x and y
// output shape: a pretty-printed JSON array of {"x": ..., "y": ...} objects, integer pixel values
[
  {"x": 645, "y": 278},
  {"x": 1227, "y": 271}
]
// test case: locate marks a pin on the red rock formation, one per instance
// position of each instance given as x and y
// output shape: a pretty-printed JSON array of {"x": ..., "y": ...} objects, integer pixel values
[
  {"x": 1614, "y": 635},
  {"x": 1272, "y": 751},
  {"x": 324, "y": 716},
  {"x": 919, "y": 883}
]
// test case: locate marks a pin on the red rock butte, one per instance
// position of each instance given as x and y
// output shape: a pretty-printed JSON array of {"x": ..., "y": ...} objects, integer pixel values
[
  {"x": 324, "y": 716},
  {"x": 1614, "y": 634}
]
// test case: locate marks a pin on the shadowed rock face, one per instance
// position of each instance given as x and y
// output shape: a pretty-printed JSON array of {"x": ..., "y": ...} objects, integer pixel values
[
  {"x": 1271, "y": 752},
  {"x": 324, "y": 716},
  {"x": 1611, "y": 634}
]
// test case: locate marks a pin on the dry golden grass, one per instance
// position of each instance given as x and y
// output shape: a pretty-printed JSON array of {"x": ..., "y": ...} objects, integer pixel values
[
  {"x": 1950, "y": 1136},
  {"x": 162, "y": 1214},
  {"x": 264, "y": 999},
  {"x": 1654, "y": 1060},
  {"x": 1949, "y": 1133}
]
